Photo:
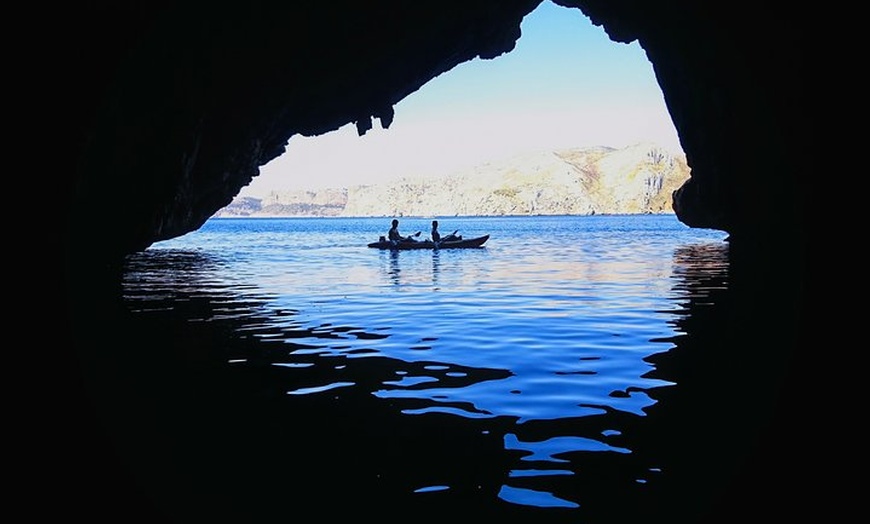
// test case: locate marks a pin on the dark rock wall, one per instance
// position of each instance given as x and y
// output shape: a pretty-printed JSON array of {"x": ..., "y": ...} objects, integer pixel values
[
  {"x": 187, "y": 101},
  {"x": 206, "y": 95},
  {"x": 733, "y": 83}
]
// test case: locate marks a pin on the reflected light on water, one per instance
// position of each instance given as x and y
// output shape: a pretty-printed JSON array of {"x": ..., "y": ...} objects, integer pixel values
[{"x": 550, "y": 349}]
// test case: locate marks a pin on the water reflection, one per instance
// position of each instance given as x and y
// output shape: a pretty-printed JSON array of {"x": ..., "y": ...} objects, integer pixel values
[
  {"x": 260, "y": 393},
  {"x": 436, "y": 268},
  {"x": 395, "y": 272}
]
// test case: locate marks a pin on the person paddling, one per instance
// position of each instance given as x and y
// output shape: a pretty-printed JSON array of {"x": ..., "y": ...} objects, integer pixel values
[
  {"x": 436, "y": 236},
  {"x": 395, "y": 236}
]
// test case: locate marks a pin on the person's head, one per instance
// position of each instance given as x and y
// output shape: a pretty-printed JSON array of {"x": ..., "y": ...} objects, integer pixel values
[
  {"x": 434, "y": 223},
  {"x": 395, "y": 222}
]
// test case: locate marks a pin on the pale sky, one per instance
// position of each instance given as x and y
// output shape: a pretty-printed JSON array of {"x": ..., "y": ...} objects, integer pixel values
[{"x": 565, "y": 84}]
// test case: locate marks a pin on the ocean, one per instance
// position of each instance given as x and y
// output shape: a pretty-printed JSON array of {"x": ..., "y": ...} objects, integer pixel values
[
  {"x": 542, "y": 376},
  {"x": 564, "y": 310}
]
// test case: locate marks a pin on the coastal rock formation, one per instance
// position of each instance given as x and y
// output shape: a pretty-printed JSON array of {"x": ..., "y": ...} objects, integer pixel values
[
  {"x": 328, "y": 202},
  {"x": 637, "y": 179},
  {"x": 178, "y": 105},
  {"x": 170, "y": 108}
]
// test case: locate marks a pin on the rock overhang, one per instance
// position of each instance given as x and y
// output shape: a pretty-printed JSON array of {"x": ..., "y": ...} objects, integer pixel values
[{"x": 188, "y": 105}]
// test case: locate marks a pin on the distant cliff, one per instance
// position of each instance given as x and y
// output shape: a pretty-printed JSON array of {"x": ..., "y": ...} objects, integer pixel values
[{"x": 600, "y": 180}]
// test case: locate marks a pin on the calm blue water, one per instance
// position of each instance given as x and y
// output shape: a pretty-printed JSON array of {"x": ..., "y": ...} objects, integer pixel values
[{"x": 553, "y": 322}]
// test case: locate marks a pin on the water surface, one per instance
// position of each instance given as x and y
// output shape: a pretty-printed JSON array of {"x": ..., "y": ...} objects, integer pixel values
[{"x": 517, "y": 376}]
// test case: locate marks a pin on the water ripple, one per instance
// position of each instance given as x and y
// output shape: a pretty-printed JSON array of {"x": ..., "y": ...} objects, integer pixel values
[{"x": 534, "y": 331}]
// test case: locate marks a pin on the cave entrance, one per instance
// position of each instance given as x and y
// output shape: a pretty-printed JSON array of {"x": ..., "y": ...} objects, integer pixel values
[
  {"x": 430, "y": 368},
  {"x": 566, "y": 85}
]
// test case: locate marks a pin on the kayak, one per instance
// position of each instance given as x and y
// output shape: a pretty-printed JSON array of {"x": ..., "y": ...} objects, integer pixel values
[{"x": 428, "y": 244}]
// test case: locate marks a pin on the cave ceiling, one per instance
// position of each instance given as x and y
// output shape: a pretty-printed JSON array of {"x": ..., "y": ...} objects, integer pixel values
[{"x": 180, "y": 104}]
